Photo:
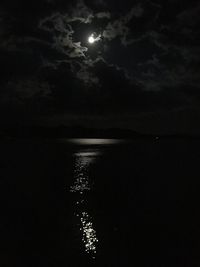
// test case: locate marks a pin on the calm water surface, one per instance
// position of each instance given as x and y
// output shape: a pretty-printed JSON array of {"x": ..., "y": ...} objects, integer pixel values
[{"x": 100, "y": 202}]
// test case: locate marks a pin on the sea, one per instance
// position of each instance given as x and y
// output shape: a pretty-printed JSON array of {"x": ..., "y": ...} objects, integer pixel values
[{"x": 100, "y": 202}]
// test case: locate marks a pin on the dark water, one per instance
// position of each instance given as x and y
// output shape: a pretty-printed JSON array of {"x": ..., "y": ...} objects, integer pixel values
[{"x": 100, "y": 203}]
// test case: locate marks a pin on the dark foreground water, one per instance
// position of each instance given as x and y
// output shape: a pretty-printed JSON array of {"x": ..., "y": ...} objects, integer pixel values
[{"x": 100, "y": 203}]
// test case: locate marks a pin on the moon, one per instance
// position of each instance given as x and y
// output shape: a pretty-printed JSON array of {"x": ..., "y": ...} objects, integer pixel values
[{"x": 93, "y": 38}]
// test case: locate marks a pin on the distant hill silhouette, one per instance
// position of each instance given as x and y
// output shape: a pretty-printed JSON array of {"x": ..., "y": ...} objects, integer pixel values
[
  {"x": 62, "y": 131},
  {"x": 69, "y": 132}
]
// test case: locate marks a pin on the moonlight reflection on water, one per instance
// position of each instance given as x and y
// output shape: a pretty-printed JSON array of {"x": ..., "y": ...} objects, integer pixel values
[
  {"x": 82, "y": 183},
  {"x": 93, "y": 141},
  {"x": 89, "y": 234}
]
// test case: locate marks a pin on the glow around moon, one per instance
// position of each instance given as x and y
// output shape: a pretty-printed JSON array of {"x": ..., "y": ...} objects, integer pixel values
[{"x": 92, "y": 39}]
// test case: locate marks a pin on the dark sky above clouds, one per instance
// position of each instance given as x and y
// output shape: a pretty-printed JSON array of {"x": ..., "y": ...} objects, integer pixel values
[{"x": 142, "y": 74}]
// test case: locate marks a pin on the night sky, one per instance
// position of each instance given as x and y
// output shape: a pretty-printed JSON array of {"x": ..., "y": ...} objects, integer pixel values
[{"x": 141, "y": 73}]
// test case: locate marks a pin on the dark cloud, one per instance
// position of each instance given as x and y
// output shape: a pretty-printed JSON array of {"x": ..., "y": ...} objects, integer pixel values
[{"x": 20, "y": 91}]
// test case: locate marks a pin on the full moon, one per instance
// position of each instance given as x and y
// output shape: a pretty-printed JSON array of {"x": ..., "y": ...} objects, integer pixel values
[{"x": 91, "y": 39}]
